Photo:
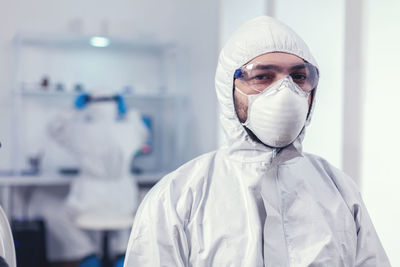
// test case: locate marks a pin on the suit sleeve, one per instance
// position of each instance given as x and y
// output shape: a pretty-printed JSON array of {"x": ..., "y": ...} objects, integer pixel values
[
  {"x": 370, "y": 251},
  {"x": 158, "y": 237}
]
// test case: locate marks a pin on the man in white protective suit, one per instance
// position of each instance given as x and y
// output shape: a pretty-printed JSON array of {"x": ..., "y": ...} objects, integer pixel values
[{"x": 260, "y": 201}]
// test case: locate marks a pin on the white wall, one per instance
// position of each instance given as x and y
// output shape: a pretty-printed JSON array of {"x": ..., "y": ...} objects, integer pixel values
[
  {"x": 194, "y": 26},
  {"x": 381, "y": 124},
  {"x": 198, "y": 31},
  {"x": 234, "y": 13}
]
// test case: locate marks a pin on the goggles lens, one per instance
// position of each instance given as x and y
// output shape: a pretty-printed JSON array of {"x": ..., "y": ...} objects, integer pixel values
[{"x": 260, "y": 75}]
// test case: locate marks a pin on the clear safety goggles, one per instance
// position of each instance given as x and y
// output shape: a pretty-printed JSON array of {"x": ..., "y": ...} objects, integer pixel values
[{"x": 258, "y": 76}]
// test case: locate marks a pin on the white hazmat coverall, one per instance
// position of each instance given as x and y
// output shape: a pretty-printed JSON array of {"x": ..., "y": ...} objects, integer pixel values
[
  {"x": 7, "y": 249},
  {"x": 104, "y": 149},
  {"x": 250, "y": 205}
]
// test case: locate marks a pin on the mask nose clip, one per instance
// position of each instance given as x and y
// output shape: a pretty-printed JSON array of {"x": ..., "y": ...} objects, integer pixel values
[{"x": 286, "y": 82}]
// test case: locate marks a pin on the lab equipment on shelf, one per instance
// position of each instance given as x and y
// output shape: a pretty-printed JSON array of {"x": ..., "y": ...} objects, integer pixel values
[{"x": 53, "y": 70}]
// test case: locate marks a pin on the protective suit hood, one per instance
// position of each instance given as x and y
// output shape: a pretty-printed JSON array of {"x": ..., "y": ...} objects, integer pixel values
[{"x": 256, "y": 37}]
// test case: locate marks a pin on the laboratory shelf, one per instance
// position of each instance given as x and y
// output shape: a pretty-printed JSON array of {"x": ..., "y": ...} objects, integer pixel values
[
  {"x": 58, "y": 179},
  {"x": 144, "y": 101},
  {"x": 126, "y": 96},
  {"x": 34, "y": 180},
  {"x": 48, "y": 67},
  {"x": 69, "y": 41}
]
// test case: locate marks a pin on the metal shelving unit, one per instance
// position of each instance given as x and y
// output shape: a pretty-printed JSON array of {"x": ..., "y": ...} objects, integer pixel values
[{"x": 163, "y": 102}]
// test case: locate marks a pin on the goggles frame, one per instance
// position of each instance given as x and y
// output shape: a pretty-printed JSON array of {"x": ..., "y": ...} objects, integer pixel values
[{"x": 259, "y": 76}]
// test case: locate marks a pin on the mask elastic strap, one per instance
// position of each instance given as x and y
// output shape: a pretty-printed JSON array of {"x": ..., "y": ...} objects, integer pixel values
[{"x": 242, "y": 93}]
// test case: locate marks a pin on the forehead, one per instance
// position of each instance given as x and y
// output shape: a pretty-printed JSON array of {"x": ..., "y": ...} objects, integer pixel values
[{"x": 278, "y": 58}]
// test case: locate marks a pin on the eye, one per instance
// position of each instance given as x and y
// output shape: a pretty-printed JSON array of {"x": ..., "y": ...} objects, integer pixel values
[
  {"x": 299, "y": 77},
  {"x": 262, "y": 77}
]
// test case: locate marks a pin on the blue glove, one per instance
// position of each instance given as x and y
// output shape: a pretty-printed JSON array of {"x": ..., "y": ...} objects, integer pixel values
[
  {"x": 81, "y": 101},
  {"x": 121, "y": 106},
  {"x": 90, "y": 261},
  {"x": 119, "y": 262}
]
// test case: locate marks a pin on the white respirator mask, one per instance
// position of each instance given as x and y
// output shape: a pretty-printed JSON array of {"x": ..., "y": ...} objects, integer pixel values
[{"x": 278, "y": 114}]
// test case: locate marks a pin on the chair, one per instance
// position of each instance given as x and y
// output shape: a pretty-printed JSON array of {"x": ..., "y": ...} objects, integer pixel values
[{"x": 106, "y": 224}]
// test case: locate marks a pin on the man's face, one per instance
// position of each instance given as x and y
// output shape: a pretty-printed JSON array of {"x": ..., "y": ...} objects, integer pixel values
[{"x": 276, "y": 58}]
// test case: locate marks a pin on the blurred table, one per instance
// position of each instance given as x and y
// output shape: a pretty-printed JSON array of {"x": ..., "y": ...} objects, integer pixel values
[{"x": 8, "y": 182}]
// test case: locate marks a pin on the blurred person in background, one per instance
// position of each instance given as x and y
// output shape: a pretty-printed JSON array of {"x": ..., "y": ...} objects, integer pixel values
[
  {"x": 104, "y": 148},
  {"x": 260, "y": 201}
]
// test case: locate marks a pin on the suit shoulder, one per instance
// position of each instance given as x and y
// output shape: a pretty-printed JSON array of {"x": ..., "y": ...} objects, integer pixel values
[
  {"x": 188, "y": 175},
  {"x": 344, "y": 183}
]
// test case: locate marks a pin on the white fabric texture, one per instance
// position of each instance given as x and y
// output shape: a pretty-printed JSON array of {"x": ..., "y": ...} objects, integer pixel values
[
  {"x": 250, "y": 205},
  {"x": 7, "y": 249}
]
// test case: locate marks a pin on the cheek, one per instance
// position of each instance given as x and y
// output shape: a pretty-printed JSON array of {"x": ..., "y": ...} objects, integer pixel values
[
  {"x": 241, "y": 103},
  {"x": 240, "y": 100}
]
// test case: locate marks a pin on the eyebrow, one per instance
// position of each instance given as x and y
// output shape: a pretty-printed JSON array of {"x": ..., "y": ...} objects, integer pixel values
[
  {"x": 297, "y": 67},
  {"x": 279, "y": 68},
  {"x": 268, "y": 67}
]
